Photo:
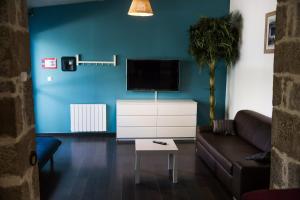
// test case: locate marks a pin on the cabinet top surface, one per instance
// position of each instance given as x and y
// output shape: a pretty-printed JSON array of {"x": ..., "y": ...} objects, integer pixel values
[{"x": 157, "y": 101}]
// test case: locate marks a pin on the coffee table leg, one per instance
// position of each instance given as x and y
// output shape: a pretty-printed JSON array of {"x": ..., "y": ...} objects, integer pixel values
[
  {"x": 170, "y": 161},
  {"x": 174, "y": 169},
  {"x": 137, "y": 167}
]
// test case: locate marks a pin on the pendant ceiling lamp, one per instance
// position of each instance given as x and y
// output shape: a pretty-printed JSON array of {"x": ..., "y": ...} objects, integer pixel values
[{"x": 140, "y": 8}]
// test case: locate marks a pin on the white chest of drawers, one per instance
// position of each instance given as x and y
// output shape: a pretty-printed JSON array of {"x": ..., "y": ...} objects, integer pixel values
[{"x": 156, "y": 119}]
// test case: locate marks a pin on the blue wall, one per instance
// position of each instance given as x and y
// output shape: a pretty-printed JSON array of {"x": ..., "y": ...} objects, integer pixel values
[{"x": 99, "y": 30}]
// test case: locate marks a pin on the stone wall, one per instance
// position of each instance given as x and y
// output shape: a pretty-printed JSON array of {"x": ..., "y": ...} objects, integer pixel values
[
  {"x": 285, "y": 169},
  {"x": 18, "y": 179}
]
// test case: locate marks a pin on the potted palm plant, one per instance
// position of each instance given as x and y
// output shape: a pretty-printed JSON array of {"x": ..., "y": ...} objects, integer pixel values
[{"x": 214, "y": 39}]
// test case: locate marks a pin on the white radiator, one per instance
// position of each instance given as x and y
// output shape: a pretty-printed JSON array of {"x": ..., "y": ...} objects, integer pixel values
[{"x": 88, "y": 117}]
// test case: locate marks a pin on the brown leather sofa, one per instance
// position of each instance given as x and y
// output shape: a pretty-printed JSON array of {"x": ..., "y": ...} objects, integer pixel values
[{"x": 225, "y": 155}]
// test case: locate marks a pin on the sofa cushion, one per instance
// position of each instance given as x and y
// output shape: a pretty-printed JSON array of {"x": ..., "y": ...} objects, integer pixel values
[
  {"x": 224, "y": 127},
  {"x": 255, "y": 128},
  {"x": 45, "y": 148},
  {"x": 227, "y": 149}
]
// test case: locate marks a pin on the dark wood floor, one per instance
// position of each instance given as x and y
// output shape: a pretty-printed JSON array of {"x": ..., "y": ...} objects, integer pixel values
[{"x": 99, "y": 168}]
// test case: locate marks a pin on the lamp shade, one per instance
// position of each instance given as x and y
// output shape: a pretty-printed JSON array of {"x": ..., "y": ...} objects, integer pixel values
[{"x": 140, "y": 8}]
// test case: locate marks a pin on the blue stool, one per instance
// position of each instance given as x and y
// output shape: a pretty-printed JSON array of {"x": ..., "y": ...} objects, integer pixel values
[{"x": 45, "y": 149}]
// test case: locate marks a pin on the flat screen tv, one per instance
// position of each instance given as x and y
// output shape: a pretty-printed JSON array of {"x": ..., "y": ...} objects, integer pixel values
[{"x": 155, "y": 75}]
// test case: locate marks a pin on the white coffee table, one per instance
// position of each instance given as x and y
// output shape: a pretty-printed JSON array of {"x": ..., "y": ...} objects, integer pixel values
[{"x": 144, "y": 146}]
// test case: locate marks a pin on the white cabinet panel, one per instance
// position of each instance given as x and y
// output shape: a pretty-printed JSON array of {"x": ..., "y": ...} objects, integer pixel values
[
  {"x": 136, "y": 121},
  {"x": 177, "y": 108},
  {"x": 136, "y": 132},
  {"x": 136, "y": 109},
  {"x": 161, "y": 118},
  {"x": 176, "y": 121},
  {"x": 174, "y": 132}
]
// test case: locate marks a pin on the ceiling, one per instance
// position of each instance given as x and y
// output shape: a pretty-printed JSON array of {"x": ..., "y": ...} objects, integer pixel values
[{"x": 43, "y": 3}]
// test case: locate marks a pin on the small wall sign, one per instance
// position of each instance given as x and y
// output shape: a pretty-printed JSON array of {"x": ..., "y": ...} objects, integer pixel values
[{"x": 49, "y": 63}]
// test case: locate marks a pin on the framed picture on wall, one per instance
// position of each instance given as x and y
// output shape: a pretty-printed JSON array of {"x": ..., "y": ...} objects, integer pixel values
[{"x": 270, "y": 29}]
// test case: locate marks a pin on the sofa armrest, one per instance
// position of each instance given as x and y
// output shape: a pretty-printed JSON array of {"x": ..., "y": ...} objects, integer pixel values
[
  {"x": 249, "y": 178},
  {"x": 201, "y": 129}
]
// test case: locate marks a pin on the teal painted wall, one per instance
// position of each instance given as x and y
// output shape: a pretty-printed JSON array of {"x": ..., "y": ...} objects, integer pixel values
[{"x": 99, "y": 30}]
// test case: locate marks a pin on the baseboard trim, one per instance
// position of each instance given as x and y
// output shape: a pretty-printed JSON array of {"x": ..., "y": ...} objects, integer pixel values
[
  {"x": 177, "y": 140},
  {"x": 88, "y": 134}
]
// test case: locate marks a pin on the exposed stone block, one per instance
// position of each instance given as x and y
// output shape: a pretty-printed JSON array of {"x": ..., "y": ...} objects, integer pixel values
[
  {"x": 276, "y": 169},
  {"x": 281, "y": 22},
  {"x": 294, "y": 97},
  {"x": 5, "y": 37},
  {"x": 21, "y": 12},
  {"x": 20, "y": 192},
  {"x": 293, "y": 175},
  {"x": 14, "y": 53},
  {"x": 286, "y": 133},
  {"x": 35, "y": 182},
  {"x": 7, "y": 86},
  {"x": 7, "y": 63},
  {"x": 287, "y": 81},
  {"x": 287, "y": 57},
  {"x": 10, "y": 116},
  {"x": 15, "y": 158},
  {"x": 290, "y": 19},
  {"x": 21, "y": 51},
  {"x": 298, "y": 21},
  {"x": 28, "y": 101},
  {"x": 7, "y": 11},
  {"x": 277, "y": 91}
]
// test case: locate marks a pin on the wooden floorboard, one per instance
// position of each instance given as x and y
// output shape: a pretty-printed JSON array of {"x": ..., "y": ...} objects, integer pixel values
[{"x": 96, "y": 168}]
